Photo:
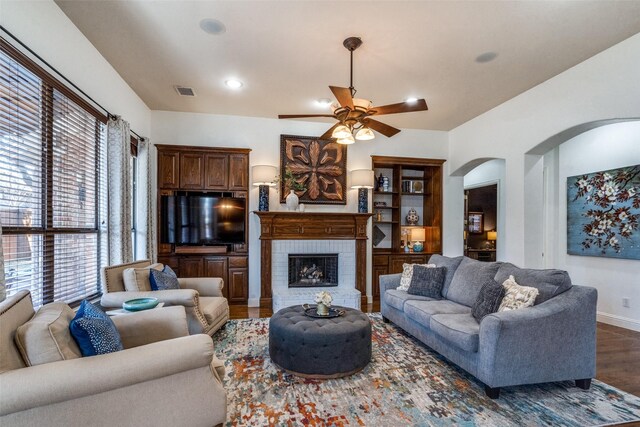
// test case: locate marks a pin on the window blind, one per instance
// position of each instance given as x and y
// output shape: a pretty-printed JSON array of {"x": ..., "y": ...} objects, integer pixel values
[{"x": 52, "y": 181}]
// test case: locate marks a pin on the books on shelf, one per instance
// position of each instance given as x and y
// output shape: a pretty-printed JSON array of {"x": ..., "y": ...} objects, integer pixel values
[{"x": 411, "y": 186}]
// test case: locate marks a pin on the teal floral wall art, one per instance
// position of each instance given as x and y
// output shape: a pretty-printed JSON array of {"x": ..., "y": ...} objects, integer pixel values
[{"x": 603, "y": 210}]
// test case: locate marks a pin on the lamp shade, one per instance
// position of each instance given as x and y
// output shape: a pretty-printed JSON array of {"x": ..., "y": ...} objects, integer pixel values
[
  {"x": 418, "y": 235},
  {"x": 362, "y": 178},
  {"x": 347, "y": 140},
  {"x": 492, "y": 235},
  {"x": 264, "y": 175},
  {"x": 341, "y": 131},
  {"x": 365, "y": 134}
]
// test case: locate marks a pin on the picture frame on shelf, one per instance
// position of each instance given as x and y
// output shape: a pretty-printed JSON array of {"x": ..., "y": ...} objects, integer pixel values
[{"x": 476, "y": 223}]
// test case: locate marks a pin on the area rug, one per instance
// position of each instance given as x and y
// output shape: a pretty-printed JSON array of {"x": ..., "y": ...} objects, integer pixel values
[{"x": 406, "y": 384}]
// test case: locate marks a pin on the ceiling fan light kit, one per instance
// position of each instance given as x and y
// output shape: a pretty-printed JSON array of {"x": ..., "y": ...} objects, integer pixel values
[{"x": 353, "y": 114}]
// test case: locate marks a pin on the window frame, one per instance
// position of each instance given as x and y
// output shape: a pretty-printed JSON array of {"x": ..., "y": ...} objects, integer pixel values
[{"x": 47, "y": 230}]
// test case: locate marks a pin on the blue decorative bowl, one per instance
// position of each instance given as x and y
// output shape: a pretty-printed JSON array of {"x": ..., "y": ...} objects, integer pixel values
[{"x": 140, "y": 304}]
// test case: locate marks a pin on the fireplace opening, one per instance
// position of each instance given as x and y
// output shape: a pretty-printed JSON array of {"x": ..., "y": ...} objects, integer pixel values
[{"x": 313, "y": 270}]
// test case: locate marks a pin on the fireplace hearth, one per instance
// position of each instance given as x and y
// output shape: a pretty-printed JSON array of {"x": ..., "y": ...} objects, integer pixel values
[{"x": 313, "y": 270}]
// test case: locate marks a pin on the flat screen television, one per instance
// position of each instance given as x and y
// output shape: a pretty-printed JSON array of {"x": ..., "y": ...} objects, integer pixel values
[{"x": 201, "y": 219}]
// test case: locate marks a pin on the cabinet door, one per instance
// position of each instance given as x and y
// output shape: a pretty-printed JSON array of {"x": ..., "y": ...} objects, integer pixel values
[
  {"x": 377, "y": 272},
  {"x": 217, "y": 267},
  {"x": 238, "y": 172},
  {"x": 190, "y": 267},
  {"x": 238, "y": 285},
  {"x": 395, "y": 264},
  {"x": 168, "y": 169},
  {"x": 216, "y": 171},
  {"x": 191, "y": 171}
]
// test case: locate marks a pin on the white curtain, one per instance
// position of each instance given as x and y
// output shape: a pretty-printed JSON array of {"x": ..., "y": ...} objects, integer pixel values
[
  {"x": 145, "y": 233},
  {"x": 119, "y": 191},
  {"x": 3, "y": 291}
]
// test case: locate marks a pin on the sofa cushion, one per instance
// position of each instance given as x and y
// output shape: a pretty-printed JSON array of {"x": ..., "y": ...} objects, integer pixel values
[
  {"x": 427, "y": 281},
  {"x": 396, "y": 298},
  {"x": 516, "y": 296},
  {"x": 451, "y": 264},
  {"x": 407, "y": 274},
  {"x": 94, "y": 331},
  {"x": 163, "y": 280},
  {"x": 549, "y": 282},
  {"x": 16, "y": 310},
  {"x": 488, "y": 300},
  {"x": 214, "y": 308},
  {"x": 46, "y": 337},
  {"x": 469, "y": 278},
  {"x": 137, "y": 279},
  {"x": 461, "y": 330},
  {"x": 421, "y": 311}
]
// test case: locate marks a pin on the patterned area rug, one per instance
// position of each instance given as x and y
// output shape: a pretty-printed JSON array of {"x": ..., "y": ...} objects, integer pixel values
[{"x": 406, "y": 384}]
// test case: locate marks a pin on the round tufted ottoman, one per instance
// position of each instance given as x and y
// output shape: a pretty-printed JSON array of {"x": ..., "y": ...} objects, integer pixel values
[{"x": 320, "y": 348}]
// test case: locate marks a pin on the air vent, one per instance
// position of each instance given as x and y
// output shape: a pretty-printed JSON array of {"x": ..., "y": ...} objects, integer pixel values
[{"x": 185, "y": 91}]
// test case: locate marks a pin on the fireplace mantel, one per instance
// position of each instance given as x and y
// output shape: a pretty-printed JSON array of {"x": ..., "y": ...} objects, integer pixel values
[{"x": 286, "y": 225}]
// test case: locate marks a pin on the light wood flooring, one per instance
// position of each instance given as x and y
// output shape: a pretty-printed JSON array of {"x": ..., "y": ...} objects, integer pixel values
[{"x": 617, "y": 357}]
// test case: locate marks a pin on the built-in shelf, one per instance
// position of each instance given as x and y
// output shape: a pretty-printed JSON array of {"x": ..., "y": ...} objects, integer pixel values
[{"x": 426, "y": 176}]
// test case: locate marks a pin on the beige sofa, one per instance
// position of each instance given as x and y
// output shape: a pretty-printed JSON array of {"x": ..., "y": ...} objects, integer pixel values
[
  {"x": 207, "y": 310},
  {"x": 163, "y": 377}
]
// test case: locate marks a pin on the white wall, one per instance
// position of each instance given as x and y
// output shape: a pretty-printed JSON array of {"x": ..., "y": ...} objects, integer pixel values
[
  {"x": 604, "y": 148},
  {"x": 488, "y": 173},
  {"x": 605, "y": 86},
  {"x": 43, "y": 27},
  {"x": 263, "y": 137}
]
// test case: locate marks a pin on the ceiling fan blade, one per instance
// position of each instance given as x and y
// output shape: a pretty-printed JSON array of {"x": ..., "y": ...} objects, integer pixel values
[
  {"x": 386, "y": 130},
  {"x": 327, "y": 134},
  {"x": 402, "y": 107},
  {"x": 343, "y": 95},
  {"x": 300, "y": 116}
]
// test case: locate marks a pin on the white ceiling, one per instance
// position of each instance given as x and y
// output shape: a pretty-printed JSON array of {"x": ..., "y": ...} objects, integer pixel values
[{"x": 288, "y": 52}]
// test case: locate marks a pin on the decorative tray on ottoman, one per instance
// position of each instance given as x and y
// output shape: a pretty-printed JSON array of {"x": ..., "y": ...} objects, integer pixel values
[{"x": 310, "y": 310}]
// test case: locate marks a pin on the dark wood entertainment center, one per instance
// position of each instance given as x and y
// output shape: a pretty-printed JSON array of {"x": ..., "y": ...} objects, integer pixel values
[{"x": 216, "y": 170}]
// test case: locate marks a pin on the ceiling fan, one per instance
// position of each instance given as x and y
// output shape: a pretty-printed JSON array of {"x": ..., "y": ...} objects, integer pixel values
[{"x": 354, "y": 114}]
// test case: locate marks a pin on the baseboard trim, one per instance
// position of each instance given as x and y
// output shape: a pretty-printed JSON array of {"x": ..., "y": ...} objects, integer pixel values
[
  {"x": 622, "y": 322},
  {"x": 253, "y": 302}
]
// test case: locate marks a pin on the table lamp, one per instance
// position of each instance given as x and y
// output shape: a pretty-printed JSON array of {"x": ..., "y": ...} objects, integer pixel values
[
  {"x": 264, "y": 176},
  {"x": 417, "y": 236},
  {"x": 362, "y": 179},
  {"x": 492, "y": 236}
]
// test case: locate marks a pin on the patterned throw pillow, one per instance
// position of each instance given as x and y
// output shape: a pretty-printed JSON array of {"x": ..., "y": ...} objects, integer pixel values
[
  {"x": 488, "y": 300},
  {"x": 94, "y": 331},
  {"x": 407, "y": 273},
  {"x": 163, "y": 280},
  {"x": 517, "y": 296},
  {"x": 427, "y": 281}
]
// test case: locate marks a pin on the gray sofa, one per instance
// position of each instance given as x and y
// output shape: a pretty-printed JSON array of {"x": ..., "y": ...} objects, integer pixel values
[{"x": 552, "y": 341}]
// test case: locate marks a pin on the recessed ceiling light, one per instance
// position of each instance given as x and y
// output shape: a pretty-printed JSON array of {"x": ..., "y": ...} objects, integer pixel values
[
  {"x": 411, "y": 100},
  {"x": 212, "y": 26},
  {"x": 233, "y": 83},
  {"x": 323, "y": 102},
  {"x": 486, "y": 57}
]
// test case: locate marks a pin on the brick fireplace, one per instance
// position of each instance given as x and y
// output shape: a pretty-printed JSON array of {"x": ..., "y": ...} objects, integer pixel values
[{"x": 310, "y": 234}]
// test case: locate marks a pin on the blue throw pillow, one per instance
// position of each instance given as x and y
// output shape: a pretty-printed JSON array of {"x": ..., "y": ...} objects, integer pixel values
[
  {"x": 163, "y": 280},
  {"x": 94, "y": 331}
]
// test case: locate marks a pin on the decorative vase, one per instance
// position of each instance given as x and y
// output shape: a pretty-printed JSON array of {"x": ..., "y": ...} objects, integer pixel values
[
  {"x": 322, "y": 309},
  {"x": 412, "y": 217},
  {"x": 263, "y": 198},
  {"x": 292, "y": 201}
]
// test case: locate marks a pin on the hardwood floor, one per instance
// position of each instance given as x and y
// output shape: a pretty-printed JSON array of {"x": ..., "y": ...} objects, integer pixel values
[{"x": 618, "y": 350}]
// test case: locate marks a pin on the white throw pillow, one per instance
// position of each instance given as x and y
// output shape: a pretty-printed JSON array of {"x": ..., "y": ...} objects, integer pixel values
[
  {"x": 46, "y": 337},
  {"x": 407, "y": 274},
  {"x": 517, "y": 296},
  {"x": 137, "y": 279}
]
